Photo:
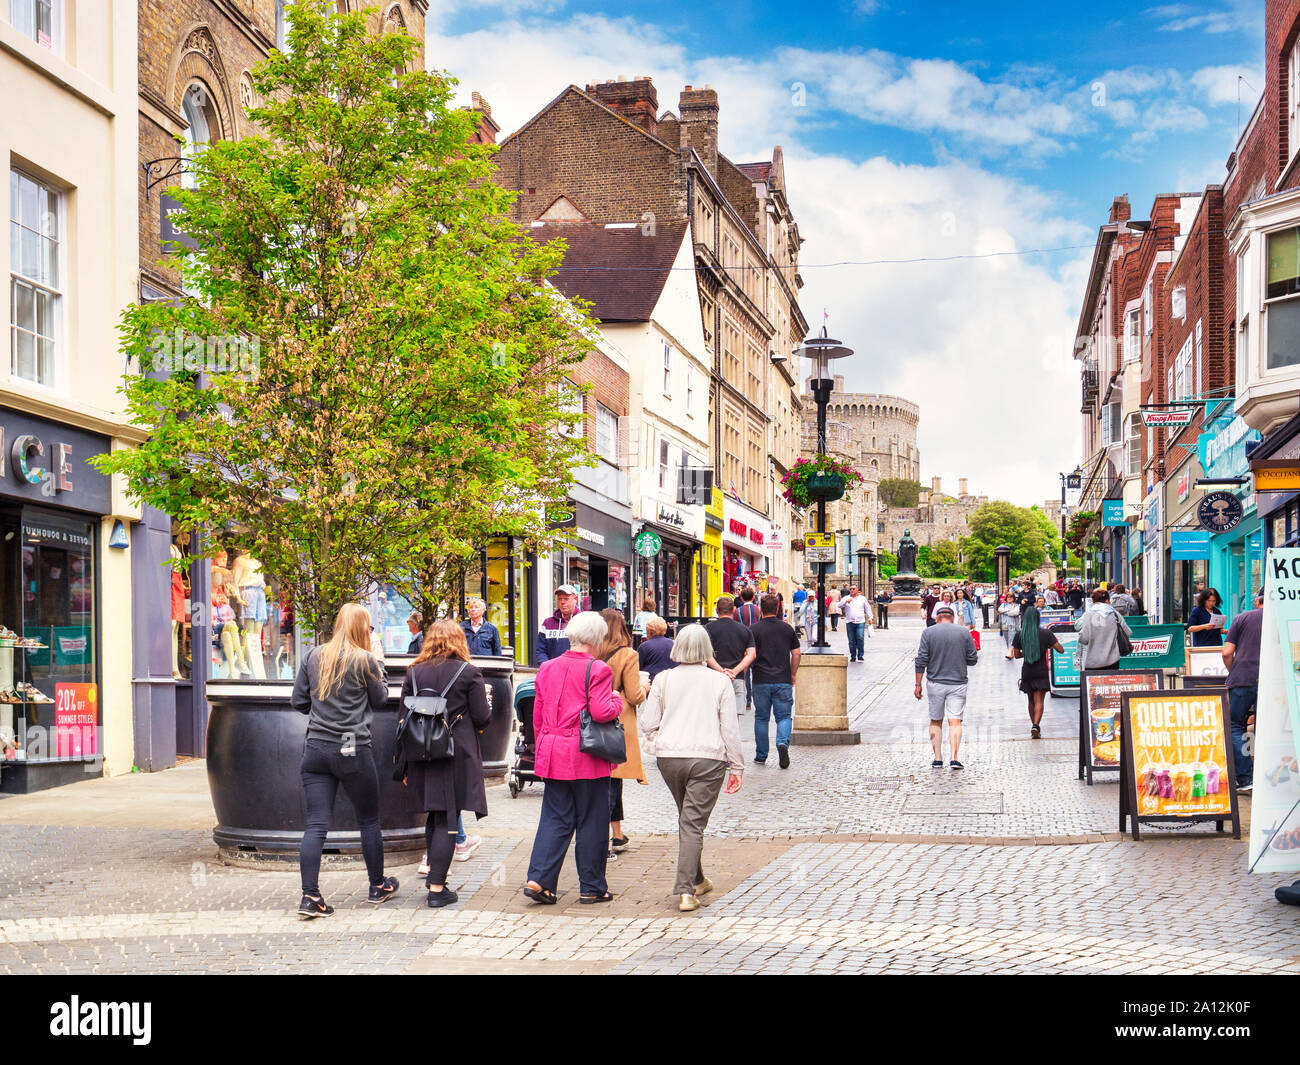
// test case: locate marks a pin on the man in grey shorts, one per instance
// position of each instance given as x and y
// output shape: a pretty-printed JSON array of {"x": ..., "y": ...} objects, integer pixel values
[{"x": 945, "y": 654}]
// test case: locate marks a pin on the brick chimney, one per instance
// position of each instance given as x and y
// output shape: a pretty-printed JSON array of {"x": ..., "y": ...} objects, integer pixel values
[
  {"x": 635, "y": 100},
  {"x": 487, "y": 128},
  {"x": 1119, "y": 209},
  {"x": 964, "y": 484},
  {"x": 699, "y": 111}
]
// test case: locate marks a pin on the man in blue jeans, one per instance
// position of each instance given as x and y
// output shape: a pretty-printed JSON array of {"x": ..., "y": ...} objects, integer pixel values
[
  {"x": 776, "y": 662},
  {"x": 1241, "y": 656}
]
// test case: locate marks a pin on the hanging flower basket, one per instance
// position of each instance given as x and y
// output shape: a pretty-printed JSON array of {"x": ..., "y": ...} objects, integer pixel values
[{"x": 819, "y": 478}]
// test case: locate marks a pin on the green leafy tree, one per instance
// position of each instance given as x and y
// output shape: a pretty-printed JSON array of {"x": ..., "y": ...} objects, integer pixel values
[
  {"x": 404, "y": 397},
  {"x": 900, "y": 492},
  {"x": 945, "y": 559},
  {"x": 888, "y": 563},
  {"x": 1029, "y": 536}
]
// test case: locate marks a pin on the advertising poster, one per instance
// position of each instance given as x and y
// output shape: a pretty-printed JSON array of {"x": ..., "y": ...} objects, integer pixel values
[
  {"x": 1275, "y": 805},
  {"x": 1048, "y": 618},
  {"x": 1156, "y": 647},
  {"x": 76, "y": 719},
  {"x": 1099, "y": 718},
  {"x": 1063, "y": 672},
  {"x": 1178, "y": 761}
]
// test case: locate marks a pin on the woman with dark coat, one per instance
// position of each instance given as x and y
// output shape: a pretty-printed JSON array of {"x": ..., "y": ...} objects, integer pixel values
[
  {"x": 449, "y": 785},
  {"x": 1032, "y": 643}
]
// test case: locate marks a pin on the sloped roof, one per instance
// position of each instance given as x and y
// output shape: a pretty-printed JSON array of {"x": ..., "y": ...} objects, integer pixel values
[
  {"x": 755, "y": 171},
  {"x": 622, "y": 272}
]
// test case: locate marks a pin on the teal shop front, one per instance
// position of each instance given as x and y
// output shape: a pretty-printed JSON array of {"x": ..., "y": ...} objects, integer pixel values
[{"x": 1237, "y": 552}]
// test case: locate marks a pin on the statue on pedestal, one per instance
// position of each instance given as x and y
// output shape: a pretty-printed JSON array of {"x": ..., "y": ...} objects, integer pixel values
[{"x": 906, "y": 582}]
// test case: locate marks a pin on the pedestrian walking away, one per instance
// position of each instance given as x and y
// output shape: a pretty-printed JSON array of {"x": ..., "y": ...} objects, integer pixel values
[
  {"x": 575, "y": 796},
  {"x": 857, "y": 614},
  {"x": 943, "y": 659},
  {"x": 1031, "y": 643},
  {"x": 733, "y": 649},
  {"x": 776, "y": 664},
  {"x": 691, "y": 716},
  {"x": 833, "y": 609},
  {"x": 655, "y": 652},
  {"x": 339, "y": 686},
  {"x": 1100, "y": 631},
  {"x": 446, "y": 786},
  {"x": 616, "y": 652}
]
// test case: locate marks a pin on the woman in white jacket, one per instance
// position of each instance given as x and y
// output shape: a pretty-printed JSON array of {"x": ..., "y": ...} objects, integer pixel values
[{"x": 691, "y": 716}]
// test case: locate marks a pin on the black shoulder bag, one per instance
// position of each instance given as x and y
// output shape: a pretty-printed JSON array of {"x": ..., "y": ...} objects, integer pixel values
[
  {"x": 424, "y": 731},
  {"x": 1121, "y": 637},
  {"x": 601, "y": 739}
]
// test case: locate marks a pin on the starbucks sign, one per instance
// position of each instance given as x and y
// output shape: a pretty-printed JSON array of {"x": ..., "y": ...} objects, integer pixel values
[{"x": 647, "y": 543}]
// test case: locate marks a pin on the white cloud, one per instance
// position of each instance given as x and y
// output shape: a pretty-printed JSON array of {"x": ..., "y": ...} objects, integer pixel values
[
  {"x": 1178, "y": 18},
  {"x": 1220, "y": 85}
]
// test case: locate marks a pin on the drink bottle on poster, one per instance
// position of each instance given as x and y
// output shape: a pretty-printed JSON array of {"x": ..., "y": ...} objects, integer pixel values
[
  {"x": 1177, "y": 741},
  {"x": 1275, "y": 812}
]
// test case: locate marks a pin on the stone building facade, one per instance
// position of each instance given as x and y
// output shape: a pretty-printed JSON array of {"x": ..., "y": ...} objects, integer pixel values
[
  {"x": 939, "y": 517},
  {"x": 884, "y": 428}
]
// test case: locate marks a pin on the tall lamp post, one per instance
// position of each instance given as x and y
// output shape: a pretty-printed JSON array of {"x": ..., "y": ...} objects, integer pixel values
[
  {"x": 821, "y": 350},
  {"x": 1072, "y": 481}
]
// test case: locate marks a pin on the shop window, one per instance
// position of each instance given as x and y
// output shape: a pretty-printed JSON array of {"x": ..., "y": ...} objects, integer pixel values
[
  {"x": 252, "y": 621},
  {"x": 49, "y": 698},
  {"x": 35, "y": 294},
  {"x": 183, "y": 618}
]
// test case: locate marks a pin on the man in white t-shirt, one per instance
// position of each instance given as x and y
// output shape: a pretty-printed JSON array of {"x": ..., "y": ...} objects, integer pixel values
[{"x": 855, "y": 608}]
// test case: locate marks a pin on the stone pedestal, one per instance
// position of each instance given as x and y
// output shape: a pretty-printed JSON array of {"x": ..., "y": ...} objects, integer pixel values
[
  {"x": 821, "y": 706},
  {"x": 906, "y": 606}
]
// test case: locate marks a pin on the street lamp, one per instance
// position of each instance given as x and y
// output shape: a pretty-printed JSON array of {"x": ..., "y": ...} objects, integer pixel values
[{"x": 821, "y": 350}]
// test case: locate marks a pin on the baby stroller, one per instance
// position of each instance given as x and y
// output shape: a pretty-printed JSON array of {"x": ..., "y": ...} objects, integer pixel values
[{"x": 521, "y": 772}]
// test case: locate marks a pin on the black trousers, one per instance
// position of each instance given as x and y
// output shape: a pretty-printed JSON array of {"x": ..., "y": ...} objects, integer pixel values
[
  {"x": 616, "y": 798},
  {"x": 439, "y": 845},
  {"x": 573, "y": 808},
  {"x": 323, "y": 770},
  {"x": 883, "y": 610}
]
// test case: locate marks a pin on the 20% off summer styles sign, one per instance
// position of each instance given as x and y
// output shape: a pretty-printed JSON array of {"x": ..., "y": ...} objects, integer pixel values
[{"x": 1177, "y": 761}]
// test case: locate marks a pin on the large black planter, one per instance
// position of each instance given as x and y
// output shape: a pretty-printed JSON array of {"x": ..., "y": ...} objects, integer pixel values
[{"x": 255, "y": 743}]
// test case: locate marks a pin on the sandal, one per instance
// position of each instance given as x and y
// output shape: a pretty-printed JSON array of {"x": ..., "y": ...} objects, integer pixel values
[
  {"x": 591, "y": 900},
  {"x": 541, "y": 895}
]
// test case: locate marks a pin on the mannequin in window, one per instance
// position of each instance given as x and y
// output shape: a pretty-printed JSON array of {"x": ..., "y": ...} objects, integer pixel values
[
  {"x": 223, "y": 582},
  {"x": 178, "y": 612},
  {"x": 247, "y": 576},
  {"x": 225, "y": 632}
]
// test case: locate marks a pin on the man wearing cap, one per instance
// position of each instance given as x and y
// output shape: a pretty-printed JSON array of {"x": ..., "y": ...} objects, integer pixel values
[
  {"x": 551, "y": 641},
  {"x": 946, "y": 652}
]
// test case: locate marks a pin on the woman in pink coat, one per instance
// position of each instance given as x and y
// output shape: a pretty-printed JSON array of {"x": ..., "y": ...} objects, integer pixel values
[{"x": 576, "y": 797}]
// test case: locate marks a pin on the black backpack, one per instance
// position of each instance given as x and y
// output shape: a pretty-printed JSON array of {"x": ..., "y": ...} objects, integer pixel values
[{"x": 424, "y": 731}]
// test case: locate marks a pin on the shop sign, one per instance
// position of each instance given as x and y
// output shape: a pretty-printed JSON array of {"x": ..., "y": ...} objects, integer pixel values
[
  {"x": 776, "y": 541},
  {"x": 647, "y": 543},
  {"x": 713, "y": 522},
  {"x": 1273, "y": 476},
  {"x": 76, "y": 715},
  {"x": 1112, "y": 513},
  {"x": 43, "y": 460},
  {"x": 1176, "y": 761},
  {"x": 1225, "y": 450},
  {"x": 1156, "y": 647},
  {"x": 1099, "y": 718},
  {"x": 756, "y": 536},
  {"x": 1275, "y": 813},
  {"x": 560, "y": 517},
  {"x": 1048, "y": 618},
  {"x": 1167, "y": 419},
  {"x": 737, "y": 527},
  {"x": 589, "y": 536},
  {"x": 1220, "y": 512},
  {"x": 56, "y": 535},
  {"x": 1186, "y": 545},
  {"x": 1184, "y": 484},
  {"x": 668, "y": 516},
  {"x": 167, "y": 231}
]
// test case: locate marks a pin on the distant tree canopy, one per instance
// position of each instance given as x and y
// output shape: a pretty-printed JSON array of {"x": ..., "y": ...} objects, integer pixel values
[
  {"x": 899, "y": 492},
  {"x": 1029, "y": 533},
  {"x": 888, "y": 563}
]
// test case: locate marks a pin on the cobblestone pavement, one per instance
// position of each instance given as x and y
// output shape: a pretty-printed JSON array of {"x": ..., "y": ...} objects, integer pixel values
[{"x": 856, "y": 859}]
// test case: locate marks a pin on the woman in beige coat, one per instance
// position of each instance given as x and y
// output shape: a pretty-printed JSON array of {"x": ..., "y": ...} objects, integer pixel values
[{"x": 618, "y": 653}]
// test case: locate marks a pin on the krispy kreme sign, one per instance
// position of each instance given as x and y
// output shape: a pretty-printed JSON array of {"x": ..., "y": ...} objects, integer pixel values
[
  {"x": 1150, "y": 646},
  {"x": 1167, "y": 419}
]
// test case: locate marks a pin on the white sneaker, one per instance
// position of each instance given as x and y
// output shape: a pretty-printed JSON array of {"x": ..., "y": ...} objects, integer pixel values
[
  {"x": 464, "y": 851},
  {"x": 424, "y": 868}
]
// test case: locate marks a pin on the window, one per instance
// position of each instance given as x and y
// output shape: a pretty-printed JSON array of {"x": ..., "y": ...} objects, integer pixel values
[
  {"x": 1110, "y": 420},
  {"x": 1281, "y": 306},
  {"x": 196, "y": 107},
  {"x": 281, "y": 25},
  {"x": 1184, "y": 373},
  {"x": 1133, "y": 464},
  {"x": 35, "y": 299},
  {"x": 37, "y": 19},
  {"x": 1198, "y": 384},
  {"x": 668, "y": 369},
  {"x": 663, "y": 463},
  {"x": 1148, "y": 318},
  {"x": 606, "y": 434},
  {"x": 1292, "y": 103},
  {"x": 1132, "y": 343},
  {"x": 1178, "y": 303}
]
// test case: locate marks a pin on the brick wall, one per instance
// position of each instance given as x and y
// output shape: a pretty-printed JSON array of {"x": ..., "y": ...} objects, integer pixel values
[{"x": 609, "y": 387}]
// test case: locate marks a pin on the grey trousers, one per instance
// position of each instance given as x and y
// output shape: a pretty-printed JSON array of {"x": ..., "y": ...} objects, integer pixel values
[{"x": 695, "y": 784}]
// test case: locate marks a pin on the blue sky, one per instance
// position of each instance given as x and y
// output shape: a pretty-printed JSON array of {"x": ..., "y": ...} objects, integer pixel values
[{"x": 922, "y": 131}]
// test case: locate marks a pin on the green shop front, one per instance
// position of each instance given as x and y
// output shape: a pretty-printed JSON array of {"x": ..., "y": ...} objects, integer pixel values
[{"x": 1227, "y": 510}]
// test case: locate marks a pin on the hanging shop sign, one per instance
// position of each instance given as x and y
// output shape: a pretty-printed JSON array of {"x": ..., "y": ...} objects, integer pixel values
[
  {"x": 1184, "y": 484},
  {"x": 1167, "y": 419},
  {"x": 1275, "y": 807},
  {"x": 1220, "y": 512},
  {"x": 1176, "y": 761},
  {"x": 167, "y": 229},
  {"x": 1112, "y": 513},
  {"x": 1099, "y": 715},
  {"x": 1186, "y": 545},
  {"x": 647, "y": 543}
]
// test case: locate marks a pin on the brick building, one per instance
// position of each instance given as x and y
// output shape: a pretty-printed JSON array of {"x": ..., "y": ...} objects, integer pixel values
[{"x": 608, "y": 155}]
